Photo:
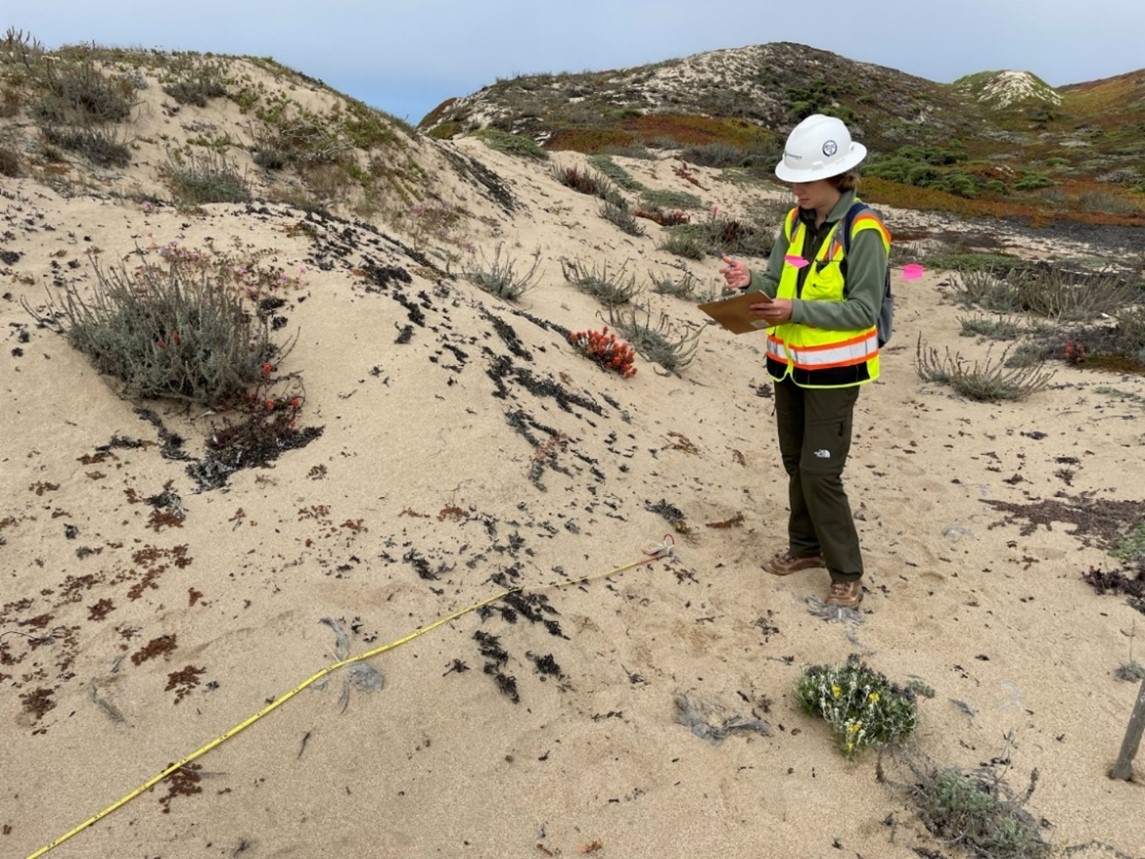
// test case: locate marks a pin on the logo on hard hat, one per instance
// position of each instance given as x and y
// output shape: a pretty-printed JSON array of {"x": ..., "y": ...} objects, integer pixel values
[{"x": 830, "y": 148}]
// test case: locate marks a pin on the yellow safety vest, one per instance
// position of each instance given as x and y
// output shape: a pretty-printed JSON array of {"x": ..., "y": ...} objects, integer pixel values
[{"x": 819, "y": 357}]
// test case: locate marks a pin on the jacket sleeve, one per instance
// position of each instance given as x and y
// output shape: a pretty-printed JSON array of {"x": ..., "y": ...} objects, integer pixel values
[
  {"x": 862, "y": 289},
  {"x": 767, "y": 281}
]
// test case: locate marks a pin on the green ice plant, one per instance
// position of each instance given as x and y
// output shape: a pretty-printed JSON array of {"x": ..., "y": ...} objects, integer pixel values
[{"x": 862, "y": 707}]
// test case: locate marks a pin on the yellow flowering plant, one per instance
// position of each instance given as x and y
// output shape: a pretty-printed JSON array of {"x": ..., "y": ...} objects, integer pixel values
[{"x": 862, "y": 707}]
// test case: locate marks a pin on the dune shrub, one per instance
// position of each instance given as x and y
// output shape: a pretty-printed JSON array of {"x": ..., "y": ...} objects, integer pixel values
[
  {"x": 985, "y": 381},
  {"x": 859, "y": 704},
  {"x": 505, "y": 276},
  {"x": 660, "y": 342},
  {"x": 9, "y": 162},
  {"x": 78, "y": 93},
  {"x": 684, "y": 287},
  {"x": 97, "y": 144},
  {"x": 590, "y": 182},
  {"x": 198, "y": 87},
  {"x": 622, "y": 217},
  {"x": 976, "y": 810},
  {"x": 685, "y": 244},
  {"x": 170, "y": 331},
  {"x": 610, "y": 289},
  {"x": 512, "y": 144},
  {"x": 205, "y": 178}
]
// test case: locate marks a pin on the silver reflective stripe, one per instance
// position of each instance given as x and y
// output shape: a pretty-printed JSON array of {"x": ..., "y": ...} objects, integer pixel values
[{"x": 854, "y": 352}]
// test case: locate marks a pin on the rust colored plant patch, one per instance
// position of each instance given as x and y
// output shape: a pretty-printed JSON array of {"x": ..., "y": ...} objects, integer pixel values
[
  {"x": 182, "y": 682},
  {"x": 183, "y": 782},
  {"x": 100, "y": 610},
  {"x": 163, "y": 646},
  {"x": 38, "y": 702}
]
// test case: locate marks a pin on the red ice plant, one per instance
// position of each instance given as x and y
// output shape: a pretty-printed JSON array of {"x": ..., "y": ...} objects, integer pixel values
[
  {"x": 608, "y": 352},
  {"x": 1075, "y": 351}
]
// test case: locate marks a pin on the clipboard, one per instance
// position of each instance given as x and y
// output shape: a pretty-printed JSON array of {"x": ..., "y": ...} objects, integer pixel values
[{"x": 732, "y": 313}]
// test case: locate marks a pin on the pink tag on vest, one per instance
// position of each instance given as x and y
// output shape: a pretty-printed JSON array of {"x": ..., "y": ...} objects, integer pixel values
[{"x": 798, "y": 262}]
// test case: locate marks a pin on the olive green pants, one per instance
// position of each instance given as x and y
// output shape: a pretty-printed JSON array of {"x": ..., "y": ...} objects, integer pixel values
[{"x": 814, "y": 440}]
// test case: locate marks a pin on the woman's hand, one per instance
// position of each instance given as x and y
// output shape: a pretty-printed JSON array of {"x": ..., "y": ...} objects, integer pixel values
[
  {"x": 735, "y": 273},
  {"x": 776, "y": 311}
]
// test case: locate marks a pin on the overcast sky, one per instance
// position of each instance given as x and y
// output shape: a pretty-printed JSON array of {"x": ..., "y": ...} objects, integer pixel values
[{"x": 406, "y": 57}]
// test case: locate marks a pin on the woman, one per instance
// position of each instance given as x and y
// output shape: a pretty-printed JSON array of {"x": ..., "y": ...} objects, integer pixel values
[{"x": 822, "y": 302}]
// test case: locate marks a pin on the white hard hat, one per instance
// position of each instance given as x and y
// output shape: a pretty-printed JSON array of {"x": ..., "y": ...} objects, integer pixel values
[{"x": 818, "y": 148}]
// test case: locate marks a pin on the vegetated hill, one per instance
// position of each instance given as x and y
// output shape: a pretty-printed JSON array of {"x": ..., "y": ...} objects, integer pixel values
[
  {"x": 994, "y": 143},
  {"x": 204, "y": 128}
]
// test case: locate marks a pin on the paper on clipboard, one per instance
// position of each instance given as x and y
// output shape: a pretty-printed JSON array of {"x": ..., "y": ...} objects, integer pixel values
[{"x": 733, "y": 314}]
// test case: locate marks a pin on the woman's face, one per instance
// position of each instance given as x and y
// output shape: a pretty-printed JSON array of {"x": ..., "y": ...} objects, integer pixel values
[{"x": 820, "y": 195}]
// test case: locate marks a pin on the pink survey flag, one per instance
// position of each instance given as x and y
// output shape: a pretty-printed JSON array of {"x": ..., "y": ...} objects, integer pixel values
[
  {"x": 798, "y": 262},
  {"x": 912, "y": 271}
]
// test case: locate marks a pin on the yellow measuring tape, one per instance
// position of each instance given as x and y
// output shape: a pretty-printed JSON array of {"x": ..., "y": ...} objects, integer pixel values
[{"x": 651, "y": 553}]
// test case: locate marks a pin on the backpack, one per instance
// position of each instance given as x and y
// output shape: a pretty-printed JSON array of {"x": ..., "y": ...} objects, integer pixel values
[{"x": 885, "y": 322}]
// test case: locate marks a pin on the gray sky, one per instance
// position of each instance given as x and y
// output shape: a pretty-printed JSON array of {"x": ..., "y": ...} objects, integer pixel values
[{"x": 406, "y": 57}]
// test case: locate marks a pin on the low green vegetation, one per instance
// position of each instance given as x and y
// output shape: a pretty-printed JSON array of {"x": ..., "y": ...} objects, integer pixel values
[
  {"x": 505, "y": 275},
  {"x": 622, "y": 217},
  {"x": 607, "y": 167},
  {"x": 683, "y": 287},
  {"x": 662, "y": 342},
  {"x": 512, "y": 144},
  {"x": 719, "y": 235},
  {"x": 1131, "y": 550},
  {"x": 975, "y": 811},
  {"x": 1132, "y": 671},
  {"x": 986, "y": 380},
  {"x": 663, "y": 199},
  {"x": 609, "y": 288},
  {"x": 991, "y": 328},
  {"x": 180, "y": 328},
  {"x": 860, "y": 705},
  {"x": 205, "y": 178},
  {"x": 1076, "y": 307}
]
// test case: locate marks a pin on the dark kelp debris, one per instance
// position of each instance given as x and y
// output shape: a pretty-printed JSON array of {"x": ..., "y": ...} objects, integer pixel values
[
  {"x": 1099, "y": 522},
  {"x": 501, "y": 370},
  {"x": 508, "y": 335},
  {"x": 546, "y": 665},
  {"x": 423, "y": 568},
  {"x": 171, "y": 443},
  {"x": 251, "y": 443},
  {"x": 381, "y": 276},
  {"x": 672, "y": 514},
  {"x": 489, "y": 646},
  {"x": 1117, "y": 582},
  {"x": 507, "y": 683}
]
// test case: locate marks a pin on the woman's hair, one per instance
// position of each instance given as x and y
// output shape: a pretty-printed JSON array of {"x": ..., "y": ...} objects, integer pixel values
[{"x": 848, "y": 181}]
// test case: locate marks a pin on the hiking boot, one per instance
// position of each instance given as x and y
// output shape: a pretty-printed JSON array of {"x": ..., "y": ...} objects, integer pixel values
[
  {"x": 785, "y": 563},
  {"x": 845, "y": 594}
]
